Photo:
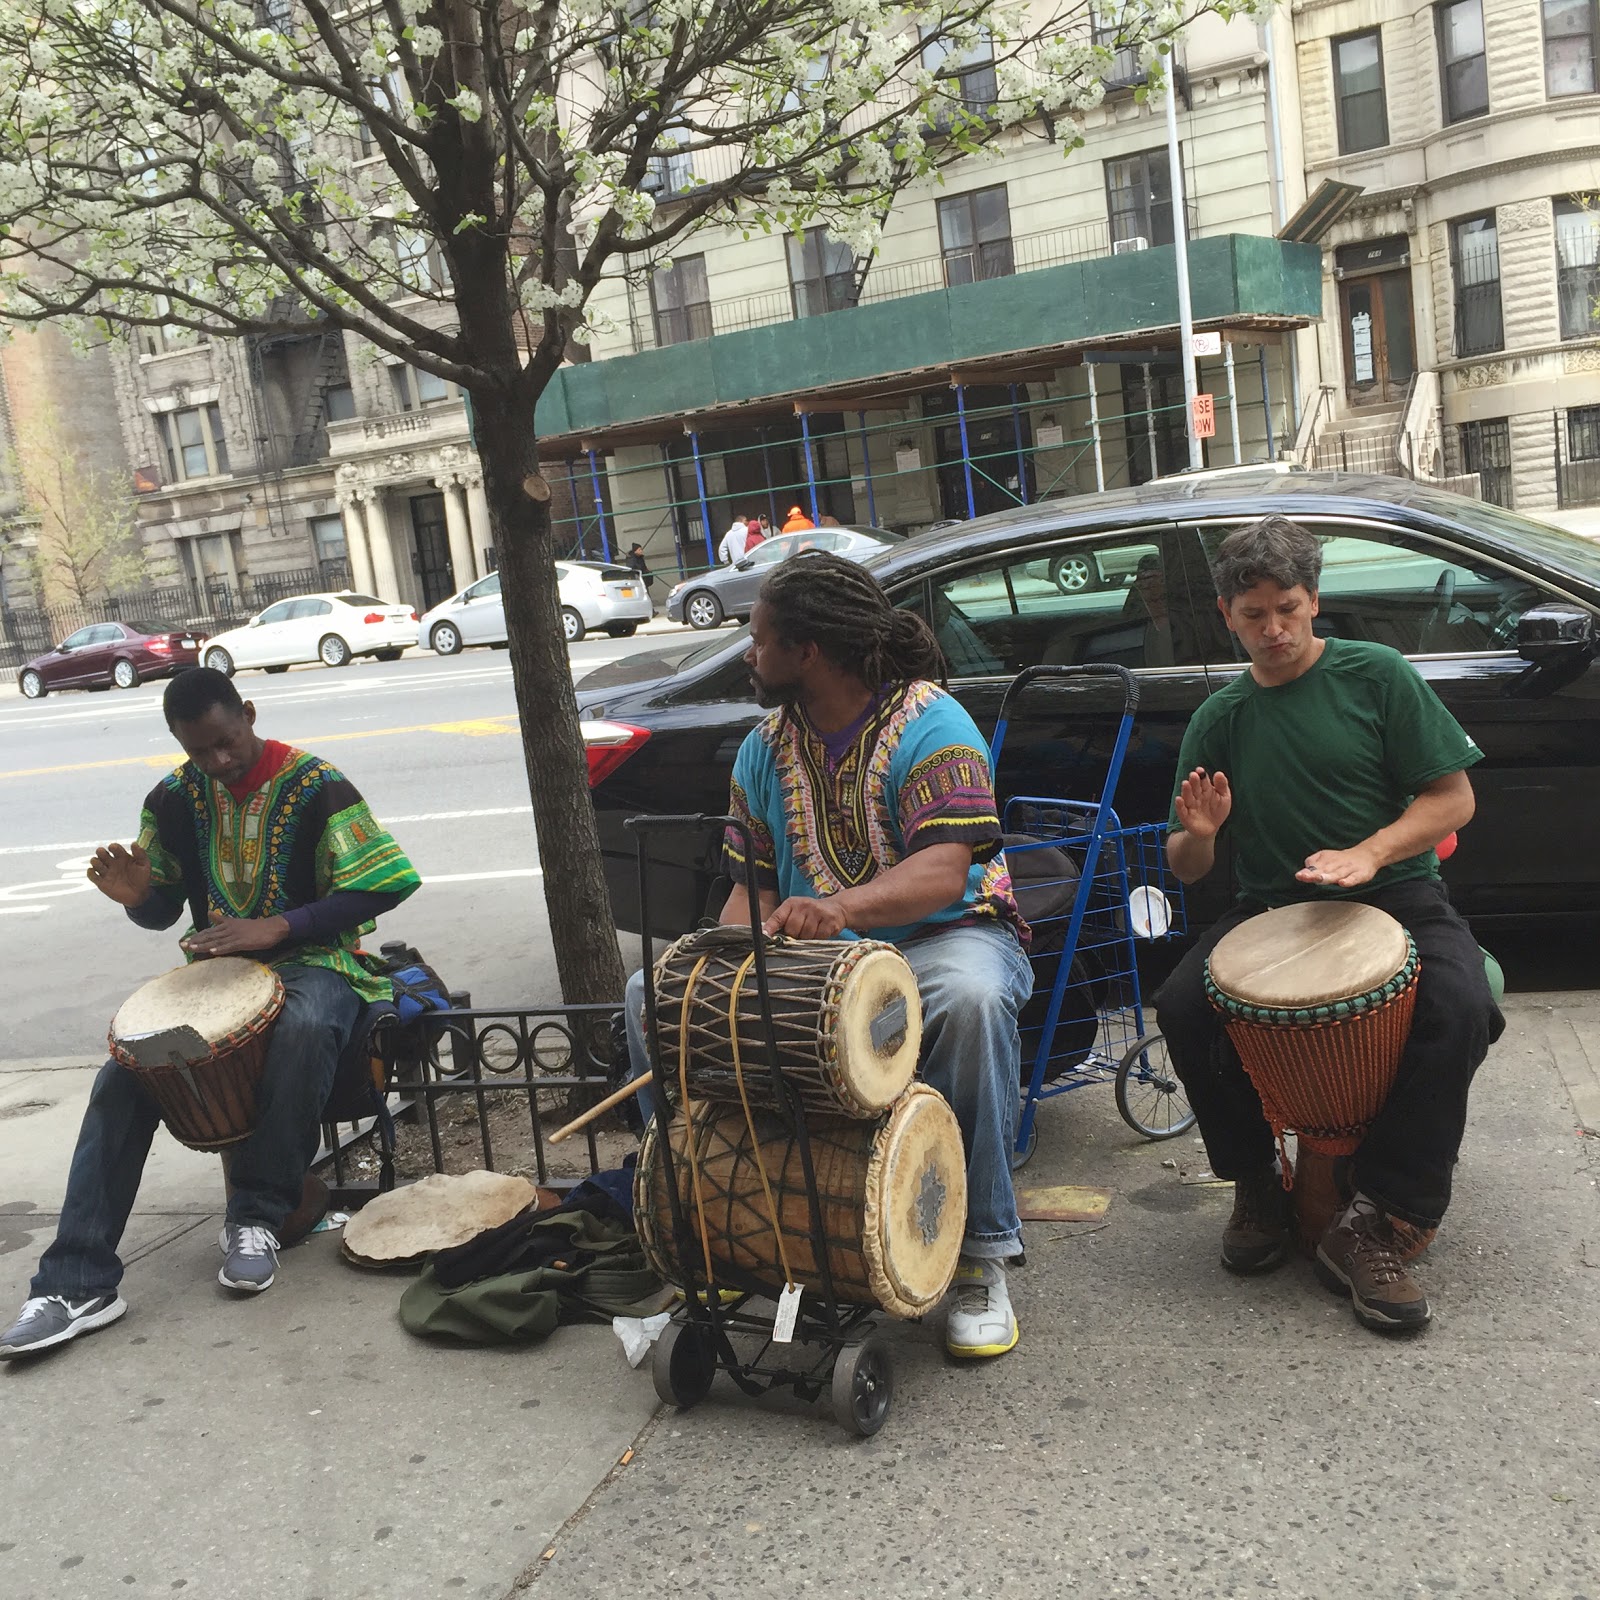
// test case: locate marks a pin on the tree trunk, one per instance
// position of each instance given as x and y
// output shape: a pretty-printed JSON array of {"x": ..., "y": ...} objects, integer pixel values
[{"x": 588, "y": 960}]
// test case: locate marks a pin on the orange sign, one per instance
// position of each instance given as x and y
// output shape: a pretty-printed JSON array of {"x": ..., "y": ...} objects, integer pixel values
[{"x": 1203, "y": 419}]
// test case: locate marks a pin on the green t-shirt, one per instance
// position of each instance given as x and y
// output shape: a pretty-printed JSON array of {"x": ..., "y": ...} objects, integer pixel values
[{"x": 1322, "y": 763}]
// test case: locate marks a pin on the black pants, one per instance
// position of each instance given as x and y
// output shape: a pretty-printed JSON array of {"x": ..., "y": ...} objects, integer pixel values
[{"x": 1406, "y": 1160}]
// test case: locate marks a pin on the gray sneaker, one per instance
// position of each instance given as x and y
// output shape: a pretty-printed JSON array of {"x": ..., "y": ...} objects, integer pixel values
[
  {"x": 48, "y": 1320},
  {"x": 252, "y": 1254}
]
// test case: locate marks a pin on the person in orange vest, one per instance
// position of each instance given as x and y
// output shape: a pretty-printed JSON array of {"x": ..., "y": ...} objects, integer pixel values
[{"x": 797, "y": 521}]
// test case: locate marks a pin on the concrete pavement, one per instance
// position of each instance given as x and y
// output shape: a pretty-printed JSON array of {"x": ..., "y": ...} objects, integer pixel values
[{"x": 1162, "y": 1430}]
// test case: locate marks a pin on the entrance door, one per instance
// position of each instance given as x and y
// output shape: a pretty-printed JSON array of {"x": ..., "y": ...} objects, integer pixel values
[
  {"x": 1380, "y": 356},
  {"x": 430, "y": 553},
  {"x": 992, "y": 440}
]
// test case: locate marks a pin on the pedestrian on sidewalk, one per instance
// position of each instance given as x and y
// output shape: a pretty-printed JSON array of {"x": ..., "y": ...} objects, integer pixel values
[
  {"x": 731, "y": 551},
  {"x": 635, "y": 559},
  {"x": 1334, "y": 771},
  {"x": 274, "y": 855},
  {"x": 797, "y": 521}
]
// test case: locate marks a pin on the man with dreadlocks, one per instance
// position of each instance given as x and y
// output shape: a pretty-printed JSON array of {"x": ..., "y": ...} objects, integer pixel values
[{"x": 868, "y": 797}]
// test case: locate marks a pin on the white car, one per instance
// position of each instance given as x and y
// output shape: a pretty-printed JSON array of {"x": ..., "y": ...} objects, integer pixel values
[
  {"x": 594, "y": 594},
  {"x": 330, "y": 628}
]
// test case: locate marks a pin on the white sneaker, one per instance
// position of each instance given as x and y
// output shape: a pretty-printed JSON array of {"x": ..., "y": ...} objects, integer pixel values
[
  {"x": 252, "y": 1254},
  {"x": 981, "y": 1322}
]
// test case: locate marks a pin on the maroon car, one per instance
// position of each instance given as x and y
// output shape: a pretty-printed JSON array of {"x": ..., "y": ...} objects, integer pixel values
[{"x": 111, "y": 654}]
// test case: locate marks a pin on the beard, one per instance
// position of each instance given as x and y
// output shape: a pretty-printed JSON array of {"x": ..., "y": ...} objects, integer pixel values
[{"x": 769, "y": 696}]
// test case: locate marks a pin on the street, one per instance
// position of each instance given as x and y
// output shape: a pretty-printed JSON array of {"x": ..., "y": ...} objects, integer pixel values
[{"x": 430, "y": 741}]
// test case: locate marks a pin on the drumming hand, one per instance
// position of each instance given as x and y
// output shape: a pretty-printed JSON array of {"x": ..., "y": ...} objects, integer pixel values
[
  {"x": 1204, "y": 802},
  {"x": 803, "y": 918},
  {"x": 121, "y": 874},
  {"x": 1344, "y": 869},
  {"x": 234, "y": 936}
]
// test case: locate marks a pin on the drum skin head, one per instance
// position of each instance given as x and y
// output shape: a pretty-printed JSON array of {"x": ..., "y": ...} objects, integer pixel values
[
  {"x": 406, "y": 1225},
  {"x": 1309, "y": 954},
  {"x": 878, "y": 1031},
  {"x": 214, "y": 998}
]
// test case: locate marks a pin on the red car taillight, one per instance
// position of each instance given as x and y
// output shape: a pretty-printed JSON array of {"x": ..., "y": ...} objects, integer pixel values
[
  {"x": 373, "y": 616},
  {"x": 608, "y": 745},
  {"x": 159, "y": 647}
]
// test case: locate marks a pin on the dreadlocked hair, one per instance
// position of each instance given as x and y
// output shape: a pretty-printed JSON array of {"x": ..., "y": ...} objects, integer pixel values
[{"x": 822, "y": 599}]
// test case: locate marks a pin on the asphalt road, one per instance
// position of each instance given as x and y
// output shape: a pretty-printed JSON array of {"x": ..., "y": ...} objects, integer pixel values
[{"x": 432, "y": 743}]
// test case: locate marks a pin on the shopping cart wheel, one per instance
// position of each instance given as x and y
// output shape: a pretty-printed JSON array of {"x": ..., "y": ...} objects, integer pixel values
[
  {"x": 863, "y": 1386},
  {"x": 1020, "y": 1158},
  {"x": 1149, "y": 1095},
  {"x": 684, "y": 1363}
]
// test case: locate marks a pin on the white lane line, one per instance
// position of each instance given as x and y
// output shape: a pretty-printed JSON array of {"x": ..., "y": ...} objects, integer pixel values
[
  {"x": 478, "y": 877},
  {"x": 20, "y": 911}
]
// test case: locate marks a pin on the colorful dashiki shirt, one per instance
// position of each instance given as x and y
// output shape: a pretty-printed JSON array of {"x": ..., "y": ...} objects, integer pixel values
[
  {"x": 304, "y": 834},
  {"x": 916, "y": 774}
]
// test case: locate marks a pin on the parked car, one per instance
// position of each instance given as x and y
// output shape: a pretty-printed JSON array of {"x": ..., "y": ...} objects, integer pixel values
[
  {"x": 710, "y": 598},
  {"x": 594, "y": 594},
  {"x": 1497, "y": 612},
  {"x": 111, "y": 655},
  {"x": 330, "y": 628}
]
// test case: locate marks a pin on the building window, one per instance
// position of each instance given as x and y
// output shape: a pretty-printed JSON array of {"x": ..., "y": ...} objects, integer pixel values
[
  {"x": 1358, "y": 83},
  {"x": 157, "y": 340},
  {"x": 1571, "y": 31},
  {"x": 1475, "y": 258},
  {"x": 968, "y": 73},
  {"x": 822, "y": 273},
  {"x": 1583, "y": 433},
  {"x": 975, "y": 235},
  {"x": 194, "y": 443},
  {"x": 328, "y": 547},
  {"x": 414, "y": 388},
  {"x": 670, "y": 172},
  {"x": 1139, "y": 197},
  {"x": 1579, "y": 480},
  {"x": 416, "y": 261},
  {"x": 1105, "y": 32},
  {"x": 1486, "y": 450},
  {"x": 339, "y": 402},
  {"x": 1463, "y": 65},
  {"x": 1578, "y": 267},
  {"x": 681, "y": 296}
]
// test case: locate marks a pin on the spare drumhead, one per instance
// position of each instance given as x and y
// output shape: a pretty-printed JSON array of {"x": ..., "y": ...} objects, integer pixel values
[
  {"x": 439, "y": 1211},
  {"x": 878, "y": 1031},
  {"x": 215, "y": 998},
  {"x": 916, "y": 1203},
  {"x": 1309, "y": 954}
]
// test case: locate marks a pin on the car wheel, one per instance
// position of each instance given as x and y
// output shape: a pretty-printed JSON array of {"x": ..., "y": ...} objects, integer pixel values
[
  {"x": 624, "y": 633},
  {"x": 32, "y": 685},
  {"x": 333, "y": 651},
  {"x": 445, "y": 640},
  {"x": 125, "y": 675},
  {"x": 281, "y": 667},
  {"x": 572, "y": 629},
  {"x": 702, "y": 609},
  {"x": 1072, "y": 574},
  {"x": 220, "y": 661}
]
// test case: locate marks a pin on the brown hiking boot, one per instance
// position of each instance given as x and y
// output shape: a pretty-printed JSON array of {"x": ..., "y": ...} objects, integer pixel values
[
  {"x": 1363, "y": 1254},
  {"x": 1258, "y": 1233}
]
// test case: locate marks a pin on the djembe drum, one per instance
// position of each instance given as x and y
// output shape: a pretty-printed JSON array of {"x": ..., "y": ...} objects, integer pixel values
[
  {"x": 1318, "y": 999},
  {"x": 845, "y": 1013}
]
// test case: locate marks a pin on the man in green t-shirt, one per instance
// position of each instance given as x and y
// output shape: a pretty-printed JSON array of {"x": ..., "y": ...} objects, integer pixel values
[{"x": 1335, "y": 771}]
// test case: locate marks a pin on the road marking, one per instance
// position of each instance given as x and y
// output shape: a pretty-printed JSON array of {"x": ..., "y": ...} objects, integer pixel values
[
  {"x": 20, "y": 911},
  {"x": 478, "y": 877}
]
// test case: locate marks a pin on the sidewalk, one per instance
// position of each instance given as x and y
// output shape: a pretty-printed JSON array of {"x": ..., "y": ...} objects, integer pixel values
[{"x": 1162, "y": 1430}]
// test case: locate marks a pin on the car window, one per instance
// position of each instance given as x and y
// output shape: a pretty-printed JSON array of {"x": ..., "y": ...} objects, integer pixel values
[
  {"x": 280, "y": 612},
  {"x": 312, "y": 608},
  {"x": 485, "y": 587},
  {"x": 771, "y": 551},
  {"x": 105, "y": 633},
  {"x": 148, "y": 629},
  {"x": 1118, "y": 600},
  {"x": 76, "y": 641},
  {"x": 1406, "y": 592},
  {"x": 362, "y": 600}
]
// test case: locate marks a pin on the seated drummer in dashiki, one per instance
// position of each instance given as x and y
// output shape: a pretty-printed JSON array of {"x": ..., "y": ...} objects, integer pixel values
[
  {"x": 868, "y": 796},
  {"x": 1333, "y": 771},
  {"x": 274, "y": 855}
]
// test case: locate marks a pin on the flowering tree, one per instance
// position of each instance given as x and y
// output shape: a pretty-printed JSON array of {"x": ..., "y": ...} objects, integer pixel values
[{"x": 207, "y": 164}]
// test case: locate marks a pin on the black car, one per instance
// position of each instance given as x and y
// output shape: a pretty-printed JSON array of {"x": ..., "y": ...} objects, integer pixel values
[{"x": 1497, "y": 612}]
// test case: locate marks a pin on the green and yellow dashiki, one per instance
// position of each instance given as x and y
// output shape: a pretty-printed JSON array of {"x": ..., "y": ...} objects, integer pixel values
[{"x": 302, "y": 835}]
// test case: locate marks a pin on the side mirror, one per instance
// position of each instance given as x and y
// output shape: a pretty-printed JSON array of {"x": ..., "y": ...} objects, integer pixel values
[
  {"x": 1555, "y": 634},
  {"x": 743, "y": 565}
]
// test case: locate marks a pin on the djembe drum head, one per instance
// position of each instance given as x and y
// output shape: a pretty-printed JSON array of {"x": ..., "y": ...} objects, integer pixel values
[
  {"x": 1316, "y": 953},
  {"x": 213, "y": 999}
]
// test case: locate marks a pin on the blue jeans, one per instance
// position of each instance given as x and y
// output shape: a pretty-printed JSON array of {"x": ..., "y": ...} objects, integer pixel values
[
  {"x": 319, "y": 1013},
  {"x": 973, "y": 982}
]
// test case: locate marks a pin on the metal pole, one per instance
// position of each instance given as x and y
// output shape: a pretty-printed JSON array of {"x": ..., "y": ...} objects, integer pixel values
[
  {"x": 1266, "y": 406},
  {"x": 672, "y": 508},
  {"x": 1280, "y": 202},
  {"x": 966, "y": 455},
  {"x": 1233, "y": 398},
  {"x": 774, "y": 521},
  {"x": 1094, "y": 428},
  {"x": 599, "y": 505},
  {"x": 1180, "y": 239},
  {"x": 811, "y": 466},
  {"x": 1016, "y": 436},
  {"x": 577, "y": 512},
  {"x": 866, "y": 467},
  {"x": 700, "y": 484},
  {"x": 1150, "y": 420}
]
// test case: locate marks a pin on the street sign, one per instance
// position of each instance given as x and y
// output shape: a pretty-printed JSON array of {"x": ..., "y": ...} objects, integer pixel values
[
  {"x": 1205, "y": 344},
  {"x": 1203, "y": 418}
]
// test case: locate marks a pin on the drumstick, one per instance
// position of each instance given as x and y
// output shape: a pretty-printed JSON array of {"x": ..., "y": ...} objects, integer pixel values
[{"x": 626, "y": 1092}]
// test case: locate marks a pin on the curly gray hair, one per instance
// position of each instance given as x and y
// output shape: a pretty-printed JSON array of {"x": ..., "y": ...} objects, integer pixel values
[{"x": 1273, "y": 550}]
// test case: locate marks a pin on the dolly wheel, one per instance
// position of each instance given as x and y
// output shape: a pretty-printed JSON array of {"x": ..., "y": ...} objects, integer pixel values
[
  {"x": 684, "y": 1364},
  {"x": 863, "y": 1387}
]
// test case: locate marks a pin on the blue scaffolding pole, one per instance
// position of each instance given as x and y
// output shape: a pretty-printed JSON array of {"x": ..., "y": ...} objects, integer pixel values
[
  {"x": 966, "y": 452},
  {"x": 811, "y": 466},
  {"x": 1022, "y": 457},
  {"x": 705, "y": 505},
  {"x": 599, "y": 506},
  {"x": 866, "y": 468}
]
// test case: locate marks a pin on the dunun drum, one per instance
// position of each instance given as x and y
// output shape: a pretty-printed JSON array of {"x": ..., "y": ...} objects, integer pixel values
[
  {"x": 845, "y": 1012},
  {"x": 1318, "y": 999},
  {"x": 196, "y": 1038},
  {"x": 893, "y": 1194}
]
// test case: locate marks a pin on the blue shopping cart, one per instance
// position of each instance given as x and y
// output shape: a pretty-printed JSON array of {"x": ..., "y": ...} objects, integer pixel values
[{"x": 1093, "y": 891}]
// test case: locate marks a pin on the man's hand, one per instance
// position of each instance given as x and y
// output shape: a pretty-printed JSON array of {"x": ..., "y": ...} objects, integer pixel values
[
  {"x": 237, "y": 936},
  {"x": 1343, "y": 869},
  {"x": 1203, "y": 803},
  {"x": 121, "y": 874},
  {"x": 802, "y": 918}
]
